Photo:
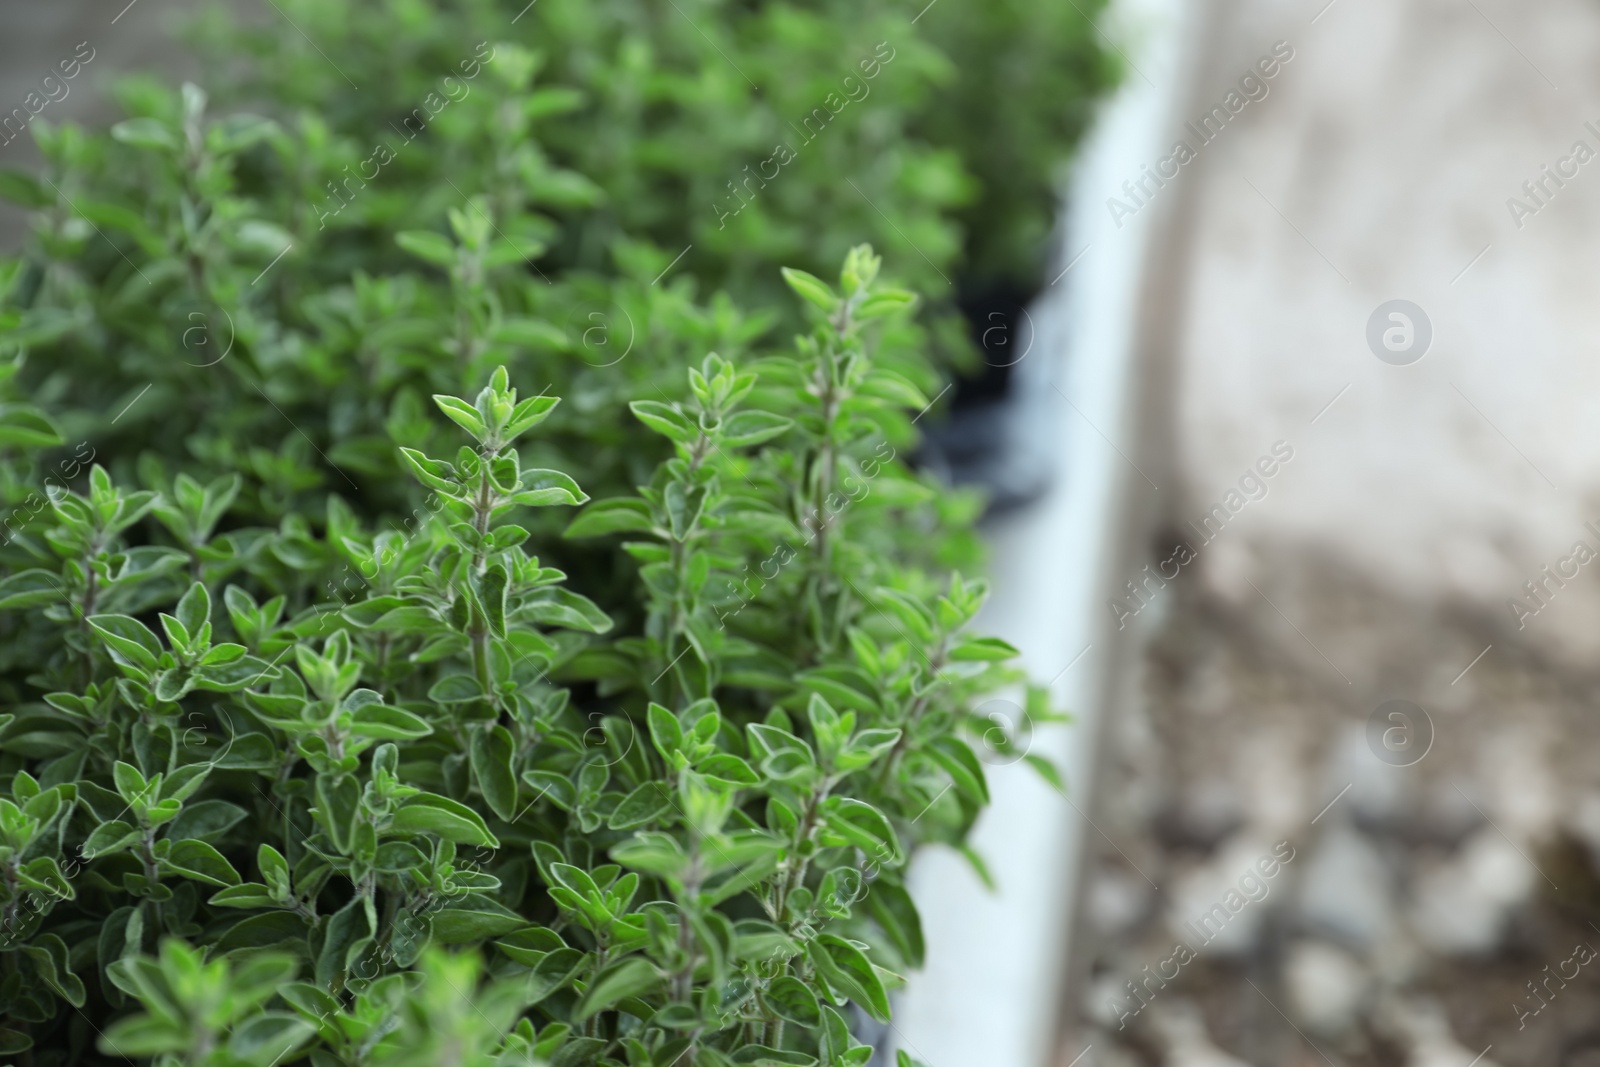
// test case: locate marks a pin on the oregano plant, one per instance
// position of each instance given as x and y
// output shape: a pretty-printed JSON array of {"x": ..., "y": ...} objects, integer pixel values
[
  {"x": 374, "y": 788},
  {"x": 342, "y": 727}
]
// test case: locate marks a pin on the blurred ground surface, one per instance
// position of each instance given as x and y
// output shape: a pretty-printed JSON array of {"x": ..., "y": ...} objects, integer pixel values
[
  {"x": 1455, "y": 881},
  {"x": 1432, "y": 908}
]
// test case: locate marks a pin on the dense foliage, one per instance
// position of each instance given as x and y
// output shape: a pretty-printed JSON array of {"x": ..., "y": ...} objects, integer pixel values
[
  {"x": 760, "y": 131},
  {"x": 341, "y": 725},
  {"x": 686, "y": 835}
]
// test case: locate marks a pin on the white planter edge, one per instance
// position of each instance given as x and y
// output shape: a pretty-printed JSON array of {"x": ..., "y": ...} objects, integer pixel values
[{"x": 992, "y": 989}]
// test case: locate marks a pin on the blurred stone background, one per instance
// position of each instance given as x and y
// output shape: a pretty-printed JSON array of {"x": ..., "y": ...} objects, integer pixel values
[
  {"x": 1379, "y": 167},
  {"x": 1432, "y": 914}
]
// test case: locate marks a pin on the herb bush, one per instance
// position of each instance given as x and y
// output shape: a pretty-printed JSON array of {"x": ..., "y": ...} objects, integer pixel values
[
  {"x": 736, "y": 135},
  {"x": 351, "y": 790},
  {"x": 347, "y": 337},
  {"x": 597, "y": 159},
  {"x": 734, "y": 126},
  {"x": 314, "y": 755}
]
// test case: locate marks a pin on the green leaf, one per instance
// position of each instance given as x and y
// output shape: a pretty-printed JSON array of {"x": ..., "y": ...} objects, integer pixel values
[
  {"x": 665, "y": 419},
  {"x": 30, "y": 589},
  {"x": 530, "y": 333},
  {"x": 197, "y": 860},
  {"x": 652, "y": 853},
  {"x": 792, "y": 1000},
  {"x": 979, "y": 867},
  {"x": 388, "y": 723},
  {"x": 172, "y": 685},
  {"x": 630, "y": 977},
  {"x": 534, "y": 410},
  {"x": 338, "y": 806},
  {"x": 427, "y": 246},
  {"x": 434, "y": 814},
  {"x": 575, "y": 878},
  {"x": 430, "y": 472},
  {"x": 852, "y": 822},
  {"x": 983, "y": 649},
  {"x": 262, "y": 931},
  {"x": 812, "y": 288},
  {"x": 729, "y": 769},
  {"x": 1048, "y": 771},
  {"x": 507, "y": 536},
  {"x": 132, "y": 786},
  {"x": 491, "y": 756},
  {"x": 270, "y": 862},
  {"x": 143, "y": 1035},
  {"x": 44, "y": 875},
  {"x": 110, "y": 838},
  {"x": 463, "y": 415},
  {"x": 252, "y": 751},
  {"x": 666, "y": 732},
  {"x": 604, "y": 517},
  {"x": 781, "y": 754},
  {"x": 184, "y": 782},
  {"x": 544, "y": 488},
  {"x": 962, "y": 765},
  {"x": 129, "y": 640},
  {"x": 25, "y": 426},
  {"x": 886, "y": 385},
  {"x": 345, "y": 932},
  {"x": 244, "y": 895},
  {"x": 558, "y": 788},
  {"x": 474, "y": 918},
  {"x": 107, "y": 215},
  {"x": 885, "y": 302},
  {"x": 555, "y": 606},
  {"x": 895, "y": 912},
  {"x": 145, "y": 133},
  {"x": 269, "y": 1038},
  {"x": 647, "y": 804},
  {"x": 310, "y": 1000},
  {"x": 456, "y": 689},
  {"x": 223, "y": 654},
  {"x": 23, "y": 189},
  {"x": 194, "y": 610},
  {"x": 765, "y": 1056},
  {"x": 238, "y": 673},
  {"x": 50, "y": 959},
  {"x": 677, "y": 1017},
  {"x": 492, "y": 592},
  {"x": 752, "y": 428},
  {"x": 753, "y": 857},
  {"x": 911, "y": 614},
  {"x": 757, "y": 939},
  {"x": 552, "y": 973},
  {"x": 847, "y": 969},
  {"x": 866, "y": 748},
  {"x": 843, "y": 689}
]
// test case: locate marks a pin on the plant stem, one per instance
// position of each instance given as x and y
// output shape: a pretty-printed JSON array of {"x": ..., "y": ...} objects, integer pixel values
[
  {"x": 797, "y": 873},
  {"x": 91, "y": 593},
  {"x": 481, "y": 509},
  {"x": 772, "y": 1030},
  {"x": 914, "y": 713},
  {"x": 380, "y": 662},
  {"x": 683, "y": 978},
  {"x": 152, "y": 874}
]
